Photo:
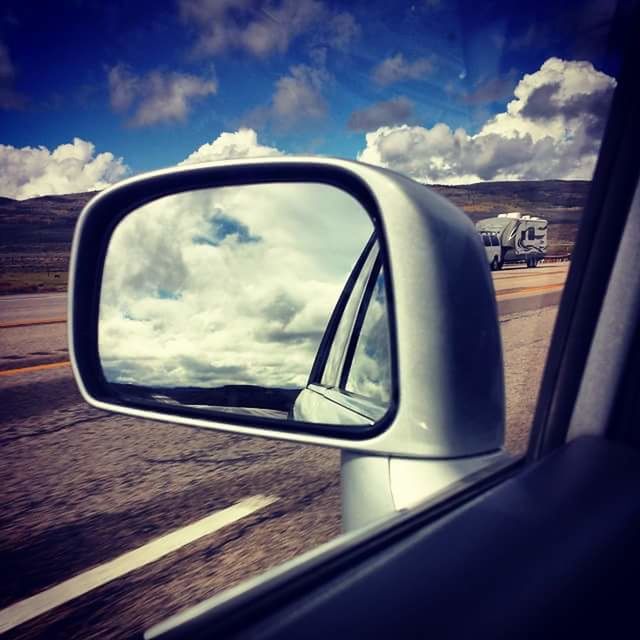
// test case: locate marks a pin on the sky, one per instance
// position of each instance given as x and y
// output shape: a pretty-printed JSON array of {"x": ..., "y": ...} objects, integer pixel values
[{"x": 445, "y": 92}]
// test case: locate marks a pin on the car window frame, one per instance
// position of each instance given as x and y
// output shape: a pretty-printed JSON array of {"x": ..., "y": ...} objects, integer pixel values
[
  {"x": 365, "y": 305},
  {"x": 368, "y": 266},
  {"x": 353, "y": 292},
  {"x": 613, "y": 186}
]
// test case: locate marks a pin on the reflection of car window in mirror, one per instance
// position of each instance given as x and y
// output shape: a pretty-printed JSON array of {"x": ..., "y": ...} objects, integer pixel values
[
  {"x": 370, "y": 371},
  {"x": 224, "y": 304},
  {"x": 335, "y": 361}
]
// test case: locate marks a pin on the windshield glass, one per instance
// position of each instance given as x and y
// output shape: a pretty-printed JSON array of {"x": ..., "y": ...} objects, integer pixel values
[{"x": 500, "y": 107}]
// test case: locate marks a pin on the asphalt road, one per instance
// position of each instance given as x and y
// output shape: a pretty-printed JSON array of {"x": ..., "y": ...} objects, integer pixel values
[
  {"x": 34, "y": 307},
  {"x": 513, "y": 278},
  {"x": 81, "y": 488}
]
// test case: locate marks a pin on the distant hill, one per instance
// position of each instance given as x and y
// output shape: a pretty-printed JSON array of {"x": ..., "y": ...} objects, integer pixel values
[
  {"x": 36, "y": 234},
  {"x": 47, "y": 220},
  {"x": 35, "y": 241}
]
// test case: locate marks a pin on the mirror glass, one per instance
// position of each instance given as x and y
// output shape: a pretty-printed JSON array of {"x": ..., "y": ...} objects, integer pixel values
[{"x": 218, "y": 300}]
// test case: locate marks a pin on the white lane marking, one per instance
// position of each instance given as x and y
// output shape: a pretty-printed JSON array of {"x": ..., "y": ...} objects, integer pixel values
[{"x": 44, "y": 601}]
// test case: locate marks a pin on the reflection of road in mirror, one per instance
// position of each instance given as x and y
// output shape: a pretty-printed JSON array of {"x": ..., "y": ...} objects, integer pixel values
[
  {"x": 217, "y": 299},
  {"x": 251, "y": 400}
]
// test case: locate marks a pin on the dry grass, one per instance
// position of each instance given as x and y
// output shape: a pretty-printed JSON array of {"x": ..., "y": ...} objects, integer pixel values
[{"x": 32, "y": 282}]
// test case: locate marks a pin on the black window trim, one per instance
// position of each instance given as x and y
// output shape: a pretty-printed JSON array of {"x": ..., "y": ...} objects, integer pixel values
[
  {"x": 357, "y": 327},
  {"x": 599, "y": 233},
  {"x": 324, "y": 349}
]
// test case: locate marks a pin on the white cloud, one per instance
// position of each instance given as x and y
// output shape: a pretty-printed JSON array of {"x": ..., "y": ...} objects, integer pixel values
[
  {"x": 298, "y": 94},
  {"x": 239, "y": 144},
  {"x": 398, "y": 69},
  {"x": 343, "y": 30},
  {"x": 124, "y": 87},
  {"x": 6, "y": 66},
  {"x": 265, "y": 27},
  {"x": 554, "y": 100},
  {"x": 297, "y": 99},
  {"x": 232, "y": 285},
  {"x": 388, "y": 112},
  {"x": 70, "y": 168},
  {"x": 492, "y": 89},
  {"x": 9, "y": 97},
  {"x": 156, "y": 97},
  {"x": 550, "y": 130}
]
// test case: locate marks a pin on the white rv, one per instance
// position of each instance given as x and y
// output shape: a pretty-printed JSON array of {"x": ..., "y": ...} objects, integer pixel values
[
  {"x": 513, "y": 237},
  {"x": 491, "y": 241}
]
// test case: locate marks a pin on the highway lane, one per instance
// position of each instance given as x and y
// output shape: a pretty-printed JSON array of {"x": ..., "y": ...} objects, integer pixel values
[
  {"x": 34, "y": 307},
  {"x": 516, "y": 276},
  {"x": 82, "y": 487},
  {"x": 29, "y": 345}
]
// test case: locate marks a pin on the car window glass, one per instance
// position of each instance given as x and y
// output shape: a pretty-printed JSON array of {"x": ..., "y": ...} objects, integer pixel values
[
  {"x": 333, "y": 366},
  {"x": 370, "y": 371},
  {"x": 498, "y": 107}
]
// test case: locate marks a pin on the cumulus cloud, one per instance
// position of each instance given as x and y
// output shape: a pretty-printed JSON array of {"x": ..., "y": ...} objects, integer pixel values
[
  {"x": 9, "y": 97},
  {"x": 239, "y": 144},
  {"x": 232, "y": 285},
  {"x": 491, "y": 90},
  {"x": 297, "y": 99},
  {"x": 157, "y": 96},
  {"x": 398, "y": 69},
  {"x": 70, "y": 168},
  {"x": 388, "y": 112},
  {"x": 265, "y": 27},
  {"x": 343, "y": 30},
  {"x": 124, "y": 87},
  {"x": 551, "y": 129},
  {"x": 298, "y": 94}
]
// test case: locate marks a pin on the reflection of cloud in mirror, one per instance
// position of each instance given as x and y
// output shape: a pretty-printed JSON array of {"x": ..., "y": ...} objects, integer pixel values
[{"x": 232, "y": 285}]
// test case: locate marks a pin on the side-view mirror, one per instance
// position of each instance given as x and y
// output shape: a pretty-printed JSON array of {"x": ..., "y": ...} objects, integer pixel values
[{"x": 313, "y": 300}]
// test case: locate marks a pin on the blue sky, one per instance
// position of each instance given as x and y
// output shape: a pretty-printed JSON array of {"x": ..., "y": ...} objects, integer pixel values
[{"x": 150, "y": 83}]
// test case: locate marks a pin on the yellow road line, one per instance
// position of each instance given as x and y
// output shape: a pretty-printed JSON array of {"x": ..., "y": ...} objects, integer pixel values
[
  {"x": 37, "y": 367},
  {"x": 29, "y": 323}
]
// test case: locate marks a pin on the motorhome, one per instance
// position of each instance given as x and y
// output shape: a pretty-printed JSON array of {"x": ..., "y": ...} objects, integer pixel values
[{"x": 513, "y": 238}]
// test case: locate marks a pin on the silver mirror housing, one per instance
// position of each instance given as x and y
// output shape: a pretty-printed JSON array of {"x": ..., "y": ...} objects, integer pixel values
[{"x": 448, "y": 389}]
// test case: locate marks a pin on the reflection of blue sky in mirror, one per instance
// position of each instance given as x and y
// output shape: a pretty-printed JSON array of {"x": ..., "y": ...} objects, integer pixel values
[
  {"x": 247, "y": 306},
  {"x": 165, "y": 294},
  {"x": 222, "y": 226}
]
